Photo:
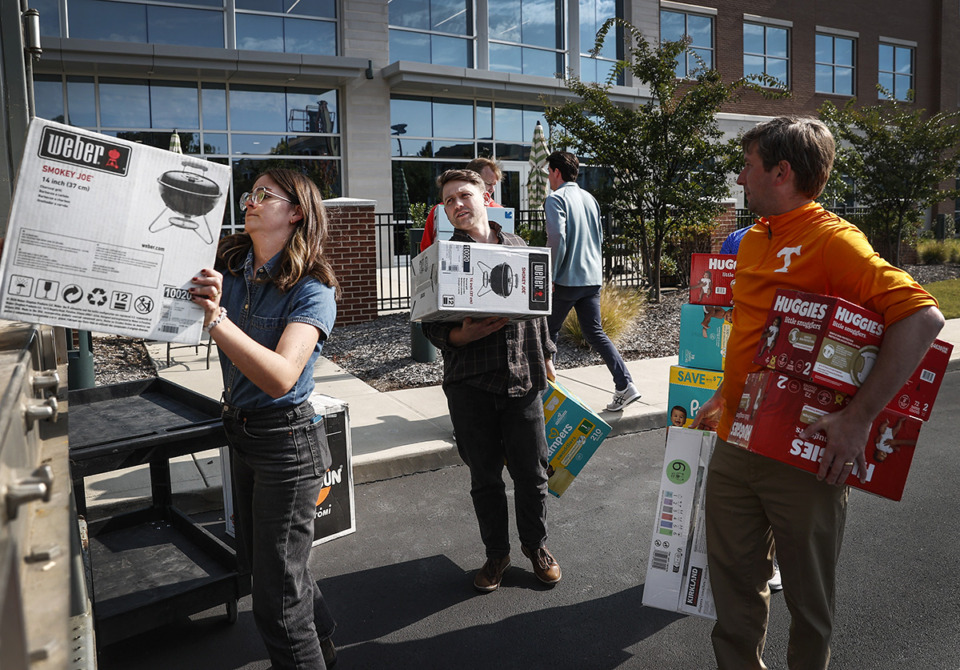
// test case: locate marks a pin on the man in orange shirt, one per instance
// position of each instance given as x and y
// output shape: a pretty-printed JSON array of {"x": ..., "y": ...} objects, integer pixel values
[{"x": 754, "y": 502}]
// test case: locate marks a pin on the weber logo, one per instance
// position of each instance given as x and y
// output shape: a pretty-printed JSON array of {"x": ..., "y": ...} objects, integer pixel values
[
  {"x": 538, "y": 269},
  {"x": 83, "y": 151},
  {"x": 177, "y": 293}
]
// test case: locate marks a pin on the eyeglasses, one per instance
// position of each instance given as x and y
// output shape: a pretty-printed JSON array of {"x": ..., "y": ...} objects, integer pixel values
[{"x": 258, "y": 195}]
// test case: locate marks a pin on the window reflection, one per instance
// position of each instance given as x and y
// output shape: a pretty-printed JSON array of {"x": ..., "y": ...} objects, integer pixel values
[
  {"x": 257, "y": 108},
  {"x": 173, "y": 105},
  {"x": 49, "y": 17},
  {"x": 124, "y": 102},
  {"x": 142, "y": 23},
  {"x": 81, "y": 102},
  {"x": 215, "y": 143},
  {"x": 113, "y": 21},
  {"x": 215, "y": 106},
  {"x": 48, "y": 96},
  {"x": 279, "y": 35},
  {"x": 194, "y": 27},
  {"x": 319, "y": 8}
]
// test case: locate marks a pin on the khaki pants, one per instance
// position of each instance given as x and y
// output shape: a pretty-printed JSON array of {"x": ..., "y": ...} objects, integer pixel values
[{"x": 753, "y": 503}]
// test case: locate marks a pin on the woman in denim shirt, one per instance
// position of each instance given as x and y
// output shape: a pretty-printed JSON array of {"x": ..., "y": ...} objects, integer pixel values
[{"x": 279, "y": 292}]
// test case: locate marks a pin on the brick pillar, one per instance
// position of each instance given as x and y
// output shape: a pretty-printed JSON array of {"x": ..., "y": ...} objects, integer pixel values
[
  {"x": 353, "y": 253},
  {"x": 726, "y": 224}
]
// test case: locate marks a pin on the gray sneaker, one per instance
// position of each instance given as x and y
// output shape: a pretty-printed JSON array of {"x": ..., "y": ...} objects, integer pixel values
[{"x": 623, "y": 398}]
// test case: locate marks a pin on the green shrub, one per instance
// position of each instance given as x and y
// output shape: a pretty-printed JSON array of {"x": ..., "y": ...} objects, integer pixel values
[
  {"x": 619, "y": 308},
  {"x": 953, "y": 250},
  {"x": 932, "y": 252}
]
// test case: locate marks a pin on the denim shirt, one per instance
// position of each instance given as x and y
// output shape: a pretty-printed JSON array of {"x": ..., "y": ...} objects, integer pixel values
[{"x": 263, "y": 312}]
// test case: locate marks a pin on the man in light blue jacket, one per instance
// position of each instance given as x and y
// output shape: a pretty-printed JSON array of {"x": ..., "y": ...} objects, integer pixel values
[{"x": 576, "y": 239}]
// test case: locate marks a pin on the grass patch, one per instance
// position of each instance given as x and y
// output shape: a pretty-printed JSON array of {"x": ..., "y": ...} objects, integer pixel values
[
  {"x": 936, "y": 252},
  {"x": 947, "y": 294},
  {"x": 619, "y": 308}
]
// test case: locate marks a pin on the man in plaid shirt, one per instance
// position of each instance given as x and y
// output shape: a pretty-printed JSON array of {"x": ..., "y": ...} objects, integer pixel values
[{"x": 493, "y": 374}]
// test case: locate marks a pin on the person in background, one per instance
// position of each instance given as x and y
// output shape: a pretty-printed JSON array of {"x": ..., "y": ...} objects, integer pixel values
[
  {"x": 269, "y": 305},
  {"x": 493, "y": 374},
  {"x": 575, "y": 238},
  {"x": 757, "y": 503},
  {"x": 491, "y": 175}
]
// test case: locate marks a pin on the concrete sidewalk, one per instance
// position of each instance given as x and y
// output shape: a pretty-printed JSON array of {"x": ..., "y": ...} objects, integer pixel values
[{"x": 395, "y": 433}]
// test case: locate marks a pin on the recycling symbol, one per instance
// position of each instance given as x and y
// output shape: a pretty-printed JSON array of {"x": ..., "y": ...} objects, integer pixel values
[{"x": 97, "y": 297}]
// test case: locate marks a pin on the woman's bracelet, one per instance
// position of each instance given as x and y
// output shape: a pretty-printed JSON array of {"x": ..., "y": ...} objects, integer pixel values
[{"x": 216, "y": 322}]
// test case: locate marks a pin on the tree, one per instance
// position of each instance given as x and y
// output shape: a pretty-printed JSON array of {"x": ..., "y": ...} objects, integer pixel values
[
  {"x": 897, "y": 158},
  {"x": 667, "y": 158}
]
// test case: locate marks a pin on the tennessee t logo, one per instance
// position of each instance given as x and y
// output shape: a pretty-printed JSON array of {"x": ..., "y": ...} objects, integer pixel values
[{"x": 787, "y": 253}]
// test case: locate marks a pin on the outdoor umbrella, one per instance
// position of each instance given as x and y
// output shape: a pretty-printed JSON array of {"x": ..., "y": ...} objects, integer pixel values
[
  {"x": 175, "y": 143},
  {"x": 537, "y": 180}
]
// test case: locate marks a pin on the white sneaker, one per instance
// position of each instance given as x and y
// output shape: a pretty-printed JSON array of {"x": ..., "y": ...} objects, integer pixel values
[
  {"x": 623, "y": 398},
  {"x": 775, "y": 583}
]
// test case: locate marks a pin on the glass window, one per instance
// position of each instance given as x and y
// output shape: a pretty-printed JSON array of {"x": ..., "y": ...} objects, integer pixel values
[
  {"x": 431, "y": 31},
  {"x": 453, "y": 118},
  {"x": 766, "y": 51},
  {"x": 215, "y": 143},
  {"x": 675, "y": 26},
  {"x": 124, "y": 103},
  {"x": 194, "y": 27},
  {"x": 174, "y": 105},
  {"x": 517, "y": 27},
  {"x": 81, "y": 102},
  {"x": 257, "y": 108},
  {"x": 48, "y": 97},
  {"x": 835, "y": 68},
  {"x": 896, "y": 71},
  {"x": 113, "y": 21},
  {"x": 312, "y": 112},
  {"x": 214, "y": 107},
  {"x": 49, "y": 17},
  {"x": 273, "y": 33},
  {"x": 318, "y": 8}
]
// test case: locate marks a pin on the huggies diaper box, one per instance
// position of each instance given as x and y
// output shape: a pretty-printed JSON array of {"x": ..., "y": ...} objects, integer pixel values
[
  {"x": 711, "y": 279},
  {"x": 454, "y": 280},
  {"x": 574, "y": 432},
  {"x": 677, "y": 578},
  {"x": 689, "y": 389},
  {"x": 704, "y": 331},
  {"x": 835, "y": 343},
  {"x": 775, "y": 408}
]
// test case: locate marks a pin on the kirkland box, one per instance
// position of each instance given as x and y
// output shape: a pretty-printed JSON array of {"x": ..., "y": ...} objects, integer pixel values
[
  {"x": 336, "y": 510},
  {"x": 704, "y": 331},
  {"x": 574, "y": 432},
  {"x": 678, "y": 579},
  {"x": 775, "y": 408},
  {"x": 106, "y": 235},
  {"x": 711, "y": 279},
  {"x": 689, "y": 389},
  {"x": 454, "y": 280},
  {"x": 835, "y": 343}
]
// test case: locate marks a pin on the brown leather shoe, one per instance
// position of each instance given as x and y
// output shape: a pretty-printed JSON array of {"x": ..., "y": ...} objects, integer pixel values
[
  {"x": 545, "y": 566},
  {"x": 489, "y": 576}
]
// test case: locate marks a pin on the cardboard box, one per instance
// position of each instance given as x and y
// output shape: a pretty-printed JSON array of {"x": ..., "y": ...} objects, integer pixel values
[
  {"x": 574, "y": 432},
  {"x": 106, "y": 235},
  {"x": 678, "y": 578},
  {"x": 704, "y": 331},
  {"x": 775, "y": 408},
  {"x": 689, "y": 389},
  {"x": 454, "y": 280},
  {"x": 835, "y": 343},
  {"x": 711, "y": 279},
  {"x": 336, "y": 508},
  {"x": 502, "y": 215}
]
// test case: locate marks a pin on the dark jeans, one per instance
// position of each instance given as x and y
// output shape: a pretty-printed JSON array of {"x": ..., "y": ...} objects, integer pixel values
[
  {"x": 278, "y": 459},
  {"x": 586, "y": 300},
  {"x": 491, "y": 429}
]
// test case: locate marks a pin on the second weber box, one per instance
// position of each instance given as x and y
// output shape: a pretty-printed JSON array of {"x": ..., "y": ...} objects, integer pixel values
[
  {"x": 574, "y": 432},
  {"x": 678, "y": 579},
  {"x": 454, "y": 280},
  {"x": 775, "y": 408}
]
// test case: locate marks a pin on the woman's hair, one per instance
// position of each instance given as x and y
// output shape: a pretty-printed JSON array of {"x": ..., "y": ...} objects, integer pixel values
[{"x": 303, "y": 255}]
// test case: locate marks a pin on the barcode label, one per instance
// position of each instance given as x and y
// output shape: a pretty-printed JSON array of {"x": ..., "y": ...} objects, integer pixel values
[
  {"x": 660, "y": 560},
  {"x": 169, "y": 328},
  {"x": 928, "y": 375}
]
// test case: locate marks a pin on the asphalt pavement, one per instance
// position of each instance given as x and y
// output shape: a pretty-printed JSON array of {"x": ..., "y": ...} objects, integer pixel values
[{"x": 401, "y": 586}]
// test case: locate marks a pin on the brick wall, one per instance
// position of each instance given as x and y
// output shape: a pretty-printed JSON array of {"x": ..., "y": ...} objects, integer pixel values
[
  {"x": 353, "y": 253},
  {"x": 726, "y": 224}
]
